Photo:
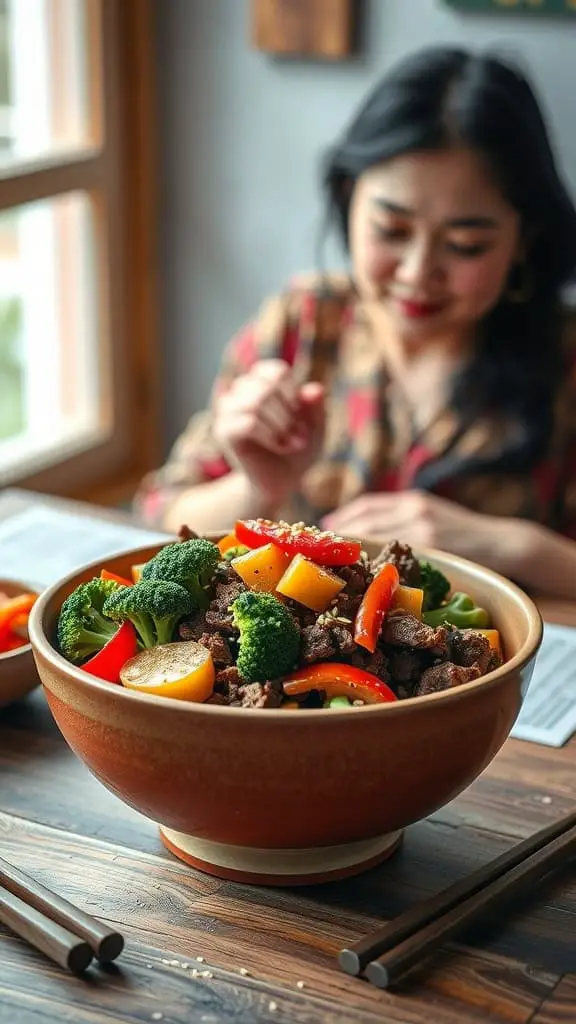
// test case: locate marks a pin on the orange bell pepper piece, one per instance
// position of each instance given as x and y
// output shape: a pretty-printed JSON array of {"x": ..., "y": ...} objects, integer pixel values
[
  {"x": 106, "y": 575},
  {"x": 230, "y": 541}
]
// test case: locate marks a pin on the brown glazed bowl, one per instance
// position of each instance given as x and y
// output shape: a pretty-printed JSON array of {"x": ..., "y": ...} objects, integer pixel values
[
  {"x": 18, "y": 675},
  {"x": 273, "y": 797}
]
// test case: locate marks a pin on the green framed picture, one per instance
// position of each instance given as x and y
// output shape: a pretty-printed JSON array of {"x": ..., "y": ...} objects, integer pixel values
[{"x": 550, "y": 7}]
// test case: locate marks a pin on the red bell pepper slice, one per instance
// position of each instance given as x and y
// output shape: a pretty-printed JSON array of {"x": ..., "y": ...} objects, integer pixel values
[
  {"x": 119, "y": 649},
  {"x": 339, "y": 680},
  {"x": 105, "y": 574},
  {"x": 12, "y": 643},
  {"x": 12, "y": 610},
  {"x": 376, "y": 602},
  {"x": 321, "y": 546}
]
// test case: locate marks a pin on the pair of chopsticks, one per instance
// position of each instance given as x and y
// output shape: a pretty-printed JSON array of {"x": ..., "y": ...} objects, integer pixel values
[
  {"x": 387, "y": 955},
  {"x": 51, "y": 924}
]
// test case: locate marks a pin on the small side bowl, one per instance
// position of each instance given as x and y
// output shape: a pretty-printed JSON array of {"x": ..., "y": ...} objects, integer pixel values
[{"x": 18, "y": 673}]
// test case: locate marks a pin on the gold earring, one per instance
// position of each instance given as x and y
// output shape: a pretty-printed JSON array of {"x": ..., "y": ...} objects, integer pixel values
[{"x": 520, "y": 286}]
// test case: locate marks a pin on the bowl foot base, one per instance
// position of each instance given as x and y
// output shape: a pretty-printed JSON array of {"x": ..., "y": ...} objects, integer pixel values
[{"x": 280, "y": 867}]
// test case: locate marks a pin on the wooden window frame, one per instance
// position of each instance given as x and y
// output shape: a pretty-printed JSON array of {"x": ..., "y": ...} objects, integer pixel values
[{"x": 116, "y": 168}]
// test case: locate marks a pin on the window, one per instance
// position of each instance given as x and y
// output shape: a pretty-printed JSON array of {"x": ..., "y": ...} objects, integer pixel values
[{"x": 78, "y": 399}]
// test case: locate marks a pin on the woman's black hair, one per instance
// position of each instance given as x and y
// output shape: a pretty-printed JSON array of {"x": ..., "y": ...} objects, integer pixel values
[{"x": 442, "y": 97}]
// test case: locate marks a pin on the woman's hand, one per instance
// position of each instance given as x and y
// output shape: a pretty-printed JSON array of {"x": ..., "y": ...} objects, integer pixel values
[
  {"x": 271, "y": 428},
  {"x": 425, "y": 520}
]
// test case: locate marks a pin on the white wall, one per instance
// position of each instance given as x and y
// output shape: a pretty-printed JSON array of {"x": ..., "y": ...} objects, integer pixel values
[{"x": 241, "y": 135}]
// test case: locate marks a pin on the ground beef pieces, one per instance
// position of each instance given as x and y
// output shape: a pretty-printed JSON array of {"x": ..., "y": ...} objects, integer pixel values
[
  {"x": 346, "y": 605},
  {"x": 193, "y": 628},
  {"x": 401, "y": 629},
  {"x": 402, "y": 556},
  {"x": 343, "y": 639},
  {"x": 444, "y": 676},
  {"x": 219, "y": 648},
  {"x": 218, "y": 698},
  {"x": 494, "y": 662},
  {"x": 261, "y": 695},
  {"x": 317, "y": 644},
  {"x": 219, "y": 615},
  {"x": 469, "y": 648},
  {"x": 405, "y": 670},
  {"x": 376, "y": 663},
  {"x": 305, "y": 616},
  {"x": 227, "y": 684},
  {"x": 357, "y": 577},
  {"x": 325, "y": 641}
]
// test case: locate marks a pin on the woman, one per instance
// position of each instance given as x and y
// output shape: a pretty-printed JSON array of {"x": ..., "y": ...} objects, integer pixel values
[{"x": 428, "y": 397}]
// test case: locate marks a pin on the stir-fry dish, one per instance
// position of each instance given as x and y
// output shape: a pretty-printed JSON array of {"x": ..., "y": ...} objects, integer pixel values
[
  {"x": 14, "y": 612},
  {"x": 279, "y": 616}
]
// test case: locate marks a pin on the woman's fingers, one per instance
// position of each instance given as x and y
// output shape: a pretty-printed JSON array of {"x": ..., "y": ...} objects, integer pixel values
[
  {"x": 266, "y": 397},
  {"x": 249, "y": 428}
]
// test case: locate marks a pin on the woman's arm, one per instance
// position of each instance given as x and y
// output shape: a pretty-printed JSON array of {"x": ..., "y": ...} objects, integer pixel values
[
  {"x": 541, "y": 560},
  {"x": 217, "y": 505}
]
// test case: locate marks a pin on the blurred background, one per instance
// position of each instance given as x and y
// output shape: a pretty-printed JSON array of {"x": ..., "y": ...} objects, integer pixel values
[{"x": 158, "y": 178}]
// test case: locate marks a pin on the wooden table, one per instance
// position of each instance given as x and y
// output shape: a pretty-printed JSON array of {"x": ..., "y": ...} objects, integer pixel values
[{"x": 269, "y": 954}]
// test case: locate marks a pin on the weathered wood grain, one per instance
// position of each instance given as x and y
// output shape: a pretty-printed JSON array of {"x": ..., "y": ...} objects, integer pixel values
[
  {"x": 560, "y": 1008},
  {"x": 234, "y": 926}
]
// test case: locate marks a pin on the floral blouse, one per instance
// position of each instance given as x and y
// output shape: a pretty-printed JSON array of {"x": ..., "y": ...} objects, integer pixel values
[{"x": 319, "y": 327}]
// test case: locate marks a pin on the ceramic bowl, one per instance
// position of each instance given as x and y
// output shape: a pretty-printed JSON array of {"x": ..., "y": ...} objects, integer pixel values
[
  {"x": 18, "y": 675},
  {"x": 290, "y": 798}
]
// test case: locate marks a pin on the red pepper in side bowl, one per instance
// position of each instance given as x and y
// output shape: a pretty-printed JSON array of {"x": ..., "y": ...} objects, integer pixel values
[
  {"x": 320, "y": 546},
  {"x": 337, "y": 679},
  {"x": 376, "y": 602}
]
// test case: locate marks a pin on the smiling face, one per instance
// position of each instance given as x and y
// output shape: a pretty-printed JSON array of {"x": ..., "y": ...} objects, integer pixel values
[{"x": 433, "y": 240}]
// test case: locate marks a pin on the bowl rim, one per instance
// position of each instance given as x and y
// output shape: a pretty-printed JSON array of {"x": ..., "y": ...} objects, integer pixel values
[
  {"x": 26, "y": 586},
  {"x": 40, "y": 642}
]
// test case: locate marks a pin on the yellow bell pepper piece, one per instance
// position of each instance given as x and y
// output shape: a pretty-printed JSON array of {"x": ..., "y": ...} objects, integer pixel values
[
  {"x": 263, "y": 568},
  {"x": 136, "y": 571},
  {"x": 309, "y": 584},
  {"x": 409, "y": 599},
  {"x": 184, "y": 671}
]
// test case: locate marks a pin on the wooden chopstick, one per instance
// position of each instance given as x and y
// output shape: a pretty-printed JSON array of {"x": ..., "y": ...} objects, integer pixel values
[
  {"x": 353, "y": 959},
  {"x": 103, "y": 941},
  {"x": 40, "y": 931},
  {"x": 392, "y": 965}
]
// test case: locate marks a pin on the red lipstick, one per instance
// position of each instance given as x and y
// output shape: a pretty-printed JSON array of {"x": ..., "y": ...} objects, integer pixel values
[{"x": 419, "y": 310}]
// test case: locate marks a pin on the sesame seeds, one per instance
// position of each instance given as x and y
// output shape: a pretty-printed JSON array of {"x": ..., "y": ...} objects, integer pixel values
[
  {"x": 244, "y": 972},
  {"x": 272, "y": 1006},
  {"x": 300, "y": 984},
  {"x": 331, "y": 617}
]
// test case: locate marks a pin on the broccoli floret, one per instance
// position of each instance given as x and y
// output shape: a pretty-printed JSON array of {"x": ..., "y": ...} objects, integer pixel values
[
  {"x": 191, "y": 563},
  {"x": 269, "y": 637},
  {"x": 154, "y": 607},
  {"x": 459, "y": 611},
  {"x": 434, "y": 584},
  {"x": 83, "y": 629}
]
